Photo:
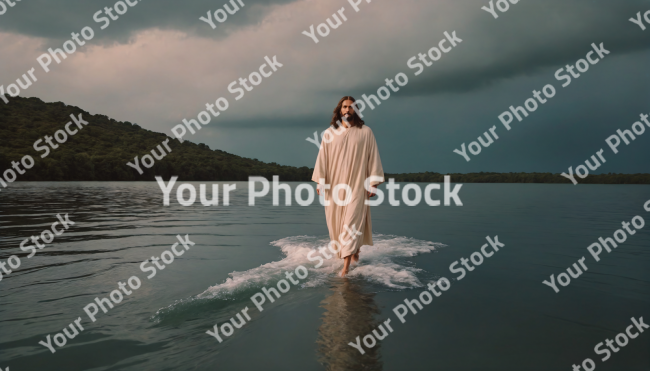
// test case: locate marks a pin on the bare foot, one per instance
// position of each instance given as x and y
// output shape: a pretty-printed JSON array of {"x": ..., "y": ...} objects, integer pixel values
[{"x": 346, "y": 266}]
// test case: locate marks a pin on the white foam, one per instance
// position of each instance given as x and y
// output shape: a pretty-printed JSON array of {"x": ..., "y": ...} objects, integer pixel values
[{"x": 377, "y": 264}]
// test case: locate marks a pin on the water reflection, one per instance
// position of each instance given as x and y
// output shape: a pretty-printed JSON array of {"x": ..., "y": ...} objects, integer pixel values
[{"x": 349, "y": 312}]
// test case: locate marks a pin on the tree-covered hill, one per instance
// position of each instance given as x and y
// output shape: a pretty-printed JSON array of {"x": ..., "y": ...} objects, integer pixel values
[{"x": 101, "y": 150}]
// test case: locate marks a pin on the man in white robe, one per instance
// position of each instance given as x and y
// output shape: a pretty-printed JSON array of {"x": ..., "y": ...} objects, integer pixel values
[{"x": 347, "y": 159}]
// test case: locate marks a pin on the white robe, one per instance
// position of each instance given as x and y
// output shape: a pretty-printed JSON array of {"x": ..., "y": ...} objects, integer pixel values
[{"x": 349, "y": 157}]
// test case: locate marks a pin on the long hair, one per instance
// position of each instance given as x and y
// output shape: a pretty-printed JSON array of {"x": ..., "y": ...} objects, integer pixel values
[{"x": 355, "y": 120}]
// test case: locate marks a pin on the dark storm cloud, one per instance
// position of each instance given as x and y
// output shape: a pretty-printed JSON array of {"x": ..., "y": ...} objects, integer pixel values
[
  {"x": 531, "y": 36},
  {"x": 57, "y": 19}
]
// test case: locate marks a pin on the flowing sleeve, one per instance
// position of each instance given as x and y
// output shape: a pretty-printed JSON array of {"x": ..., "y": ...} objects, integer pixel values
[
  {"x": 320, "y": 169},
  {"x": 374, "y": 162}
]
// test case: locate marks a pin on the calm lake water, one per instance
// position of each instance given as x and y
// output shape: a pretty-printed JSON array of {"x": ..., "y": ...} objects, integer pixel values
[{"x": 498, "y": 317}]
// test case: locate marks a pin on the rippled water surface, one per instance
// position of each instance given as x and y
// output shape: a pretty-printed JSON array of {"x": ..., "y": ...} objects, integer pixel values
[{"x": 498, "y": 317}]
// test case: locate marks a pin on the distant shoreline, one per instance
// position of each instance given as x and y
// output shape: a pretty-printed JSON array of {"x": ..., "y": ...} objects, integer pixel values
[
  {"x": 541, "y": 178},
  {"x": 428, "y": 177}
]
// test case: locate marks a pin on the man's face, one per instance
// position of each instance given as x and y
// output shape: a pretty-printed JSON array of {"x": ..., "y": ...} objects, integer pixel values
[{"x": 347, "y": 110}]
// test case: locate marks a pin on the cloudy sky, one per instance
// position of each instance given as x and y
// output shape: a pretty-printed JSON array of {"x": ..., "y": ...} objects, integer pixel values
[{"x": 158, "y": 64}]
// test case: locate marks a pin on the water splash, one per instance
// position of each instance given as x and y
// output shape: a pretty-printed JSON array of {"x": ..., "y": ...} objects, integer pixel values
[{"x": 384, "y": 264}]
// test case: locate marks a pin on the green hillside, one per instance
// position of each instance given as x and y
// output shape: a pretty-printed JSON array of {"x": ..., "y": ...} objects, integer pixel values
[{"x": 101, "y": 150}]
